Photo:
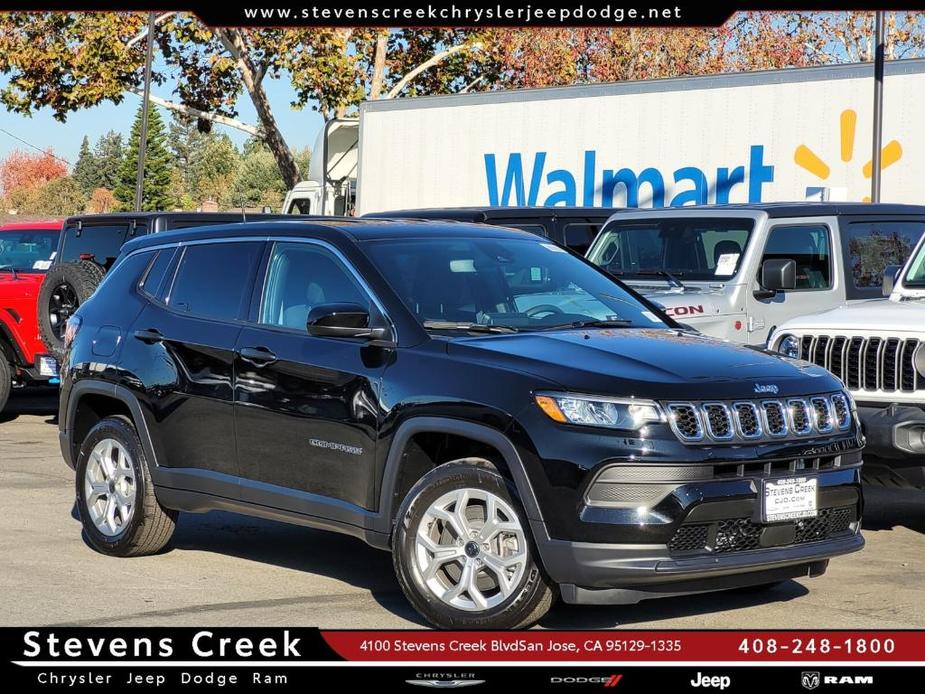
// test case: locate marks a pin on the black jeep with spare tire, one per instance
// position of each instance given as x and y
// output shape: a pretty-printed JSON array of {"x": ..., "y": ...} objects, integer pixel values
[
  {"x": 88, "y": 246},
  {"x": 508, "y": 419}
]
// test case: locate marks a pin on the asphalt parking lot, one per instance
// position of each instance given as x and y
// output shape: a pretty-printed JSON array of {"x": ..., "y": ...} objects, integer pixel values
[{"x": 227, "y": 570}]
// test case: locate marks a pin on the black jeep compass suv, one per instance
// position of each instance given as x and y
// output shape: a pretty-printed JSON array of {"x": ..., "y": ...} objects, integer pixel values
[{"x": 511, "y": 421}]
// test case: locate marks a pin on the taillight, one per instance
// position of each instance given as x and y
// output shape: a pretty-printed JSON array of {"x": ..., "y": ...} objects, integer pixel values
[{"x": 70, "y": 330}]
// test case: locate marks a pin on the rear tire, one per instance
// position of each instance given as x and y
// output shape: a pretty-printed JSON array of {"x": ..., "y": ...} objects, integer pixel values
[
  {"x": 6, "y": 380},
  {"x": 120, "y": 514},
  {"x": 463, "y": 552},
  {"x": 65, "y": 287}
]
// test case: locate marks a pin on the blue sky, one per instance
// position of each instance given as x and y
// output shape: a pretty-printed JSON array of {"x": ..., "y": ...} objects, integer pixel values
[{"x": 42, "y": 130}]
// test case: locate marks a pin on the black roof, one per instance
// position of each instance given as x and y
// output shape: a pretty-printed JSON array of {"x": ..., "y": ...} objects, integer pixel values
[
  {"x": 806, "y": 208},
  {"x": 333, "y": 229},
  {"x": 184, "y": 216},
  {"x": 483, "y": 214}
]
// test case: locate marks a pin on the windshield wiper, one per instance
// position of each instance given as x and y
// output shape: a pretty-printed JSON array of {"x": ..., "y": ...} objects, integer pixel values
[
  {"x": 596, "y": 323},
  {"x": 672, "y": 279},
  {"x": 12, "y": 270},
  {"x": 468, "y": 327}
]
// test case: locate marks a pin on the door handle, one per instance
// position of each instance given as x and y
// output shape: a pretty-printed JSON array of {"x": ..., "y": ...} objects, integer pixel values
[
  {"x": 258, "y": 356},
  {"x": 150, "y": 336}
]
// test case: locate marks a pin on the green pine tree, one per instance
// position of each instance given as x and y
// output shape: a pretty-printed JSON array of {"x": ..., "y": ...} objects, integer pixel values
[
  {"x": 108, "y": 153},
  {"x": 156, "y": 188},
  {"x": 86, "y": 172}
]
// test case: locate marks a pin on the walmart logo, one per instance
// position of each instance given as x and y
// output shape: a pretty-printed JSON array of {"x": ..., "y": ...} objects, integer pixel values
[
  {"x": 812, "y": 162},
  {"x": 521, "y": 183}
]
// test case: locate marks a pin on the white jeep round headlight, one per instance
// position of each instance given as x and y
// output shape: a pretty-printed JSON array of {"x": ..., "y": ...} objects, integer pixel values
[{"x": 789, "y": 346}]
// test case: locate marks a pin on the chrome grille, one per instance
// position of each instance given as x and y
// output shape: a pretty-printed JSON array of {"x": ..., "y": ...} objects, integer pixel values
[
  {"x": 867, "y": 364},
  {"x": 747, "y": 420},
  {"x": 685, "y": 421},
  {"x": 800, "y": 422},
  {"x": 719, "y": 421},
  {"x": 775, "y": 418},
  {"x": 822, "y": 411},
  {"x": 754, "y": 420},
  {"x": 841, "y": 410}
]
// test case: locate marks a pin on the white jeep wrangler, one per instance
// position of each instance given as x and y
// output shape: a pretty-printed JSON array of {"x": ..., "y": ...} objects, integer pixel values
[{"x": 877, "y": 348}]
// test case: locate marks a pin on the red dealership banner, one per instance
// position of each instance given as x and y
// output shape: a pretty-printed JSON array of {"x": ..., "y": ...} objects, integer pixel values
[{"x": 629, "y": 646}]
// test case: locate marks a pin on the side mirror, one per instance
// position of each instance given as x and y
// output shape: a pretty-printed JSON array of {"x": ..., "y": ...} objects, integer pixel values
[
  {"x": 890, "y": 275},
  {"x": 777, "y": 275},
  {"x": 343, "y": 320}
]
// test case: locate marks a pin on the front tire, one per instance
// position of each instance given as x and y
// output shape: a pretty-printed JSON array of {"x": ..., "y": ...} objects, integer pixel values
[
  {"x": 6, "y": 380},
  {"x": 115, "y": 496},
  {"x": 463, "y": 552}
]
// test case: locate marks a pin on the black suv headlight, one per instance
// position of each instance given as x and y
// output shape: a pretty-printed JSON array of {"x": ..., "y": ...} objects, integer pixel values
[
  {"x": 789, "y": 346},
  {"x": 600, "y": 411}
]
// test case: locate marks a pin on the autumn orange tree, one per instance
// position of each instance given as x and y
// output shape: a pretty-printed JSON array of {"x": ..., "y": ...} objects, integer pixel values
[{"x": 24, "y": 171}]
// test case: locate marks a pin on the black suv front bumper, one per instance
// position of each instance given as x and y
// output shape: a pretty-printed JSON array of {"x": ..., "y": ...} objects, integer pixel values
[{"x": 718, "y": 543}]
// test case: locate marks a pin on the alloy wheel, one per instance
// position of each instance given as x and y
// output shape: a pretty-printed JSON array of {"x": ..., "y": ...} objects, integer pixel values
[
  {"x": 470, "y": 550},
  {"x": 109, "y": 487}
]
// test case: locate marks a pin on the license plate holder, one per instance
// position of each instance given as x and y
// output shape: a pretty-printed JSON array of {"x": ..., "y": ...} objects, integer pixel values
[
  {"x": 48, "y": 366},
  {"x": 789, "y": 498}
]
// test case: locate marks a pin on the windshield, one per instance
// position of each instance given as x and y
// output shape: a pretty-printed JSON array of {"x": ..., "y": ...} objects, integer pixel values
[
  {"x": 916, "y": 275},
  {"x": 98, "y": 242},
  {"x": 687, "y": 248},
  {"x": 509, "y": 284},
  {"x": 27, "y": 250}
]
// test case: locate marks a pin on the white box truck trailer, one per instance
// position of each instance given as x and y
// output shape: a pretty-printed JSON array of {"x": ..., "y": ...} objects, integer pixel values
[{"x": 745, "y": 137}]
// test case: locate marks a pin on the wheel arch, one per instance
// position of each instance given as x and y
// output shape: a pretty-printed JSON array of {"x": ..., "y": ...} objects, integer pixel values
[
  {"x": 9, "y": 347},
  {"x": 415, "y": 426},
  {"x": 89, "y": 402}
]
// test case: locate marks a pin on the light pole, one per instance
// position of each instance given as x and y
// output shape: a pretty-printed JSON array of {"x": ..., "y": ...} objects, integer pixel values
[
  {"x": 145, "y": 106},
  {"x": 878, "y": 108}
]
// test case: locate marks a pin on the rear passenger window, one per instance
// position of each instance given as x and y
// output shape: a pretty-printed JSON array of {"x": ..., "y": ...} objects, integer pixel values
[
  {"x": 213, "y": 279},
  {"x": 152, "y": 283},
  {"x": 874, "y": 245},
  {"x": 579, "y": 236},
  {"x": 806, "y": 245}
]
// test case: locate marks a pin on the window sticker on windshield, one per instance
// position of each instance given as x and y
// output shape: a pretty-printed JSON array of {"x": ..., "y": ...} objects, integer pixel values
[
  {"x": 726, "y": 264},
  {"x": 552, "y": 247},
  {"x": 41, "y": 265},
  {"x": 53, "y": 254},
  {"x": 651, "y": 316}
]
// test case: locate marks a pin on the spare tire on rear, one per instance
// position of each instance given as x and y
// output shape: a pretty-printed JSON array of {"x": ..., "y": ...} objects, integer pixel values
[{"x": 65, "y": 287}]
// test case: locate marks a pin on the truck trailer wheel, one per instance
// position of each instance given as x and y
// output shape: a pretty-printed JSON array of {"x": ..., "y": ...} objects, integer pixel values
[
  {"x": 463, "y": 552},
  {"x": 65, "y": 287}
]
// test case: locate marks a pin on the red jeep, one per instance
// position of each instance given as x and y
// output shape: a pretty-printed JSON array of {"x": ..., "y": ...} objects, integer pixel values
[{"x": 26, "y": 252}]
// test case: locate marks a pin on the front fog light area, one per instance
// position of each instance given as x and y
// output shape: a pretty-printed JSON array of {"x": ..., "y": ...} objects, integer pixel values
[
  {"x": 789, "y": 346},
  {"x": 612, "y": 413}
]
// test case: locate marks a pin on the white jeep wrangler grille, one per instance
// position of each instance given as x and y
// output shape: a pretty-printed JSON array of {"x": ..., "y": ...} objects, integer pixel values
[{"x": 866, "y": 363}]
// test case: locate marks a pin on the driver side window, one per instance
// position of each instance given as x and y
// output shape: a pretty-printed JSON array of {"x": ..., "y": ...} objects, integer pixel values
[
  {"x": 300, "y": 277},
  {"x": 808, "y": 246}
]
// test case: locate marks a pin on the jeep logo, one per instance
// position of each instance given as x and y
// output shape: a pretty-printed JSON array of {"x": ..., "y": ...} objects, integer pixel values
[{"x": 763, "y": 389}]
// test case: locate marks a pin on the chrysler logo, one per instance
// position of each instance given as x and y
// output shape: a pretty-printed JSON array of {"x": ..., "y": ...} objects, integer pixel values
[
  {"x": 445, "y": 684},
  {"x": 763, "y": 388}
]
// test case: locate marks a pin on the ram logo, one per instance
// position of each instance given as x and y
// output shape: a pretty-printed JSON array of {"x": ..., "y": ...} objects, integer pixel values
[{"x": 809, "y": 680}]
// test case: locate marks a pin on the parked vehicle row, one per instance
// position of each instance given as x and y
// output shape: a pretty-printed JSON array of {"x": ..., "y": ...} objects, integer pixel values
[{"x": 512, "y": 421}]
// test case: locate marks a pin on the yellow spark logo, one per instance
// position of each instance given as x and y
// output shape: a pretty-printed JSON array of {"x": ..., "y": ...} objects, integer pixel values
[{"x": 812, "y": 162}]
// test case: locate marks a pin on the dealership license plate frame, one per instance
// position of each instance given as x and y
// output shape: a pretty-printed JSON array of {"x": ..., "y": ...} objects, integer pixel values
[{"x": 806, "y": 505}]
